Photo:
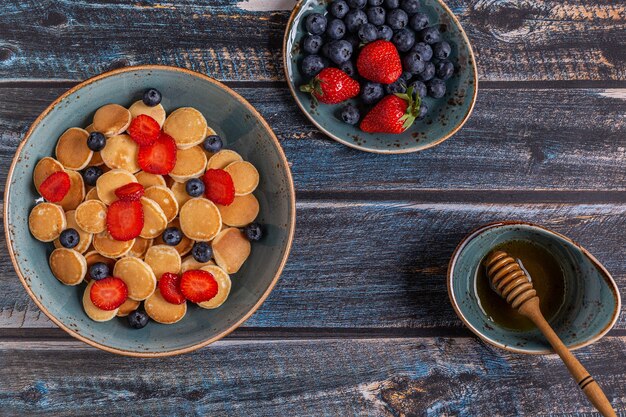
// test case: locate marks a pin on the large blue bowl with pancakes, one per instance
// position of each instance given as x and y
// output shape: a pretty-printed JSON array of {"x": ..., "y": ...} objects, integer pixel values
[{"x": 242, "y": 129}]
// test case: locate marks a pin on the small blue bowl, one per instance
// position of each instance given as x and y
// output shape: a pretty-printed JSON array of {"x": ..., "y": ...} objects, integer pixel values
[
  {"x": 243, "y": 130},
  {"x": 592, "y": 301},
  {"x": 446, "y": 115}
]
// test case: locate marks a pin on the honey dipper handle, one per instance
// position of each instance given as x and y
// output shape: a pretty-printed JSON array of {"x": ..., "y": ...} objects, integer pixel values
[{"x": 585, "y": 381}]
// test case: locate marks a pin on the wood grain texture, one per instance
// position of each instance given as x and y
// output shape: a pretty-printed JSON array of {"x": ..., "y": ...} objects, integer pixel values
[
  {"x": 516, "y": 140},
  {"x": 513, "y": 40},
  {"x": 379, "y": 378},
  {"x": 382, "y": 264}
]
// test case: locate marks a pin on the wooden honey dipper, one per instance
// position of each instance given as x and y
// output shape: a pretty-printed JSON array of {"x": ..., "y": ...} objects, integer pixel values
[{"x": 510, "y": 281}]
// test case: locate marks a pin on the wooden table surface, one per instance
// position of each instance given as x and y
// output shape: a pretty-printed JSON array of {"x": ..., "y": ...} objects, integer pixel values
[{"x": 359, "y": 323}]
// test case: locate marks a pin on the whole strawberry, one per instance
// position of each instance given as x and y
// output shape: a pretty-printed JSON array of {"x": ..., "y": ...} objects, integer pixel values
[
  {"x": 380, "y": 62},
  {"x": 393, "y": 114},
  {"x": 332, "y": 86}
]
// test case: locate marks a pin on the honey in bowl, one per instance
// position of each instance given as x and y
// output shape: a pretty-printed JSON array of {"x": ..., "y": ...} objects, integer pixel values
[{"x": 547, "y": 278}]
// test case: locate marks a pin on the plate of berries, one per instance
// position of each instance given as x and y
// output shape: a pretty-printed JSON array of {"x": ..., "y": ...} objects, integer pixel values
[{"x": 383, "y": 76}]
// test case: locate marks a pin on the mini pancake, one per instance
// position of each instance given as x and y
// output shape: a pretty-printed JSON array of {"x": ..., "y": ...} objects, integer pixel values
[
  {"x": 140, "y": 247},
  {"x": 231, "y": 249},
  {"x": 148, "y": 180},
  {"x": 91, "y": 216},
  {"x": 93, "y": 312},
  {"x": 190, "y": 263},
  {"x": 187, "y": 126},
  {"x": 46, "y": 221},
  {"x": 223, "y": 287},
  {"x": 157, "y": 112},
  {"x": 109, "y": 247},
  {"x": 244, "y": 175},
  {"x": 111, "y": 119},
  {"x": 111, "y": 181},
  {"x": 68, "y": 266},
  {"x": 92, "y": 194},
  {"x": 90, "y": 128},
  {"x": 162, "y": 259},
  {"x": 190, "y": 163},
  {"x": 200, "y": 219},
  {"x": 223, "y": 158},
  {"x": 93, "y": 257},
  {"x": 85, "y": 236},
  {"x": 165, "y": 198},
  {"x": 180, "y": 193},
  {"x": 121, "y": 152},
  {"x": 76, "y": 194},
  {"x": 96, "y": 159},
  {"x": 154, "y": 220},
  {"x": 44, "y": 168},
  {"x": 185, "y": 245},
  {"x": 241, "y": 212},
  {"x": 163, "y": 312},
  {"x": 72, "y": 150},
  {"x": 137, "y": 275},
  {"x": 128, "y": 307}
]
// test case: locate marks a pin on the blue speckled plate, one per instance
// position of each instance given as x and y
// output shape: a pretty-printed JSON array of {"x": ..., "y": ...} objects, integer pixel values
[
  {"x": 592, "y": 301},
  {"x": 243, "y": 130},
  {"x": 446, "y": 116}
]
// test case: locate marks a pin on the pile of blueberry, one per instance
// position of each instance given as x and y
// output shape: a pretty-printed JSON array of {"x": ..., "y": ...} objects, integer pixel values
[{"x": 334, "y": 40}]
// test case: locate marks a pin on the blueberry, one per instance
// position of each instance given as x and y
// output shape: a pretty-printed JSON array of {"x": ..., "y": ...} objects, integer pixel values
[
  {"x": 348, "y": 68},
  {"x": 339, "y": 51},
  {"x": 194, "y": 187},
  {"x": 375, "y": 2},
  {"x": 412, "y": 63},
  {"x": 436, "y": 88},
  {"x": 353, "y": 39},
  {"x": 404, "y": 39},
  {"x": 312, "y": 44},
  {"x": 96, "y": 141},
  {"x": 315, "y": 23},
  {"x": 69, "y": 238},
  {"x": 213, "y": 144},
  {"x": 398, "y": 87},
  {"x": 91, "y": 175},
  {"x": 339, "y": 8},
  {"x": 385, "y": 32},
  {"x": 368, "y": 33},
  {"x": 372, "y": 92},
  {"x": 423, "y": 111},
  {"x": 202, "y": 252},
  {"x": 354, "y": 19},
  {"x": 336, "y": 29},
  {"x": 441, "y": 50},
  {"x": 430, "y": 35},
  {"x": 406, "y": 76},
  {"x": 419, "y": 88},
  {"x": 99, "y": 271},
  {"x": 376, "y": 15},
  {"x": 172, "y": 236},
  {"x": 410, "y": 6},
  {"x": 428, "y": 73},
  {"x": 253, "y": 231},
  {"x": 397, "y": 19},
  {"x": 137, "y": 319},
  {"x": 418, "y": 21},
  {"x": 151, "y": 97},
  {"x": 444, "y": 69},
  {"x": 424, "y": 50},
  {"x": 349, "y": 115},
  {"x": 357, "y": 4},
  {"x": 392, "y": 4},
  {"x": 312, "y": 65}
]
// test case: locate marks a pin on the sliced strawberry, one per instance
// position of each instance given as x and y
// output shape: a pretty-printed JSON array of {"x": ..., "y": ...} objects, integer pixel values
[
  {"x": 169, "y": 285},
  {"x": 219, "y": 186},
  {"x": 55, "y": 187},
  {"x": 130, "y": 192},
  {"x": 109, "y": 293},
  {"x": 144, "y": 130},
  {"x": 198, "y": 286},
  {"x": 125, "y": 219},
  {"x": 160, "y": 157}
]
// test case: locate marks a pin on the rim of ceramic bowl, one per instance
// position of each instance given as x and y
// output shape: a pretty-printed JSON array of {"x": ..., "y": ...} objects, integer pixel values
[
  {"x": 328, "y": 133},
  {"x": 605, "y": 274},
  {"x": 291, "y": 224}
]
